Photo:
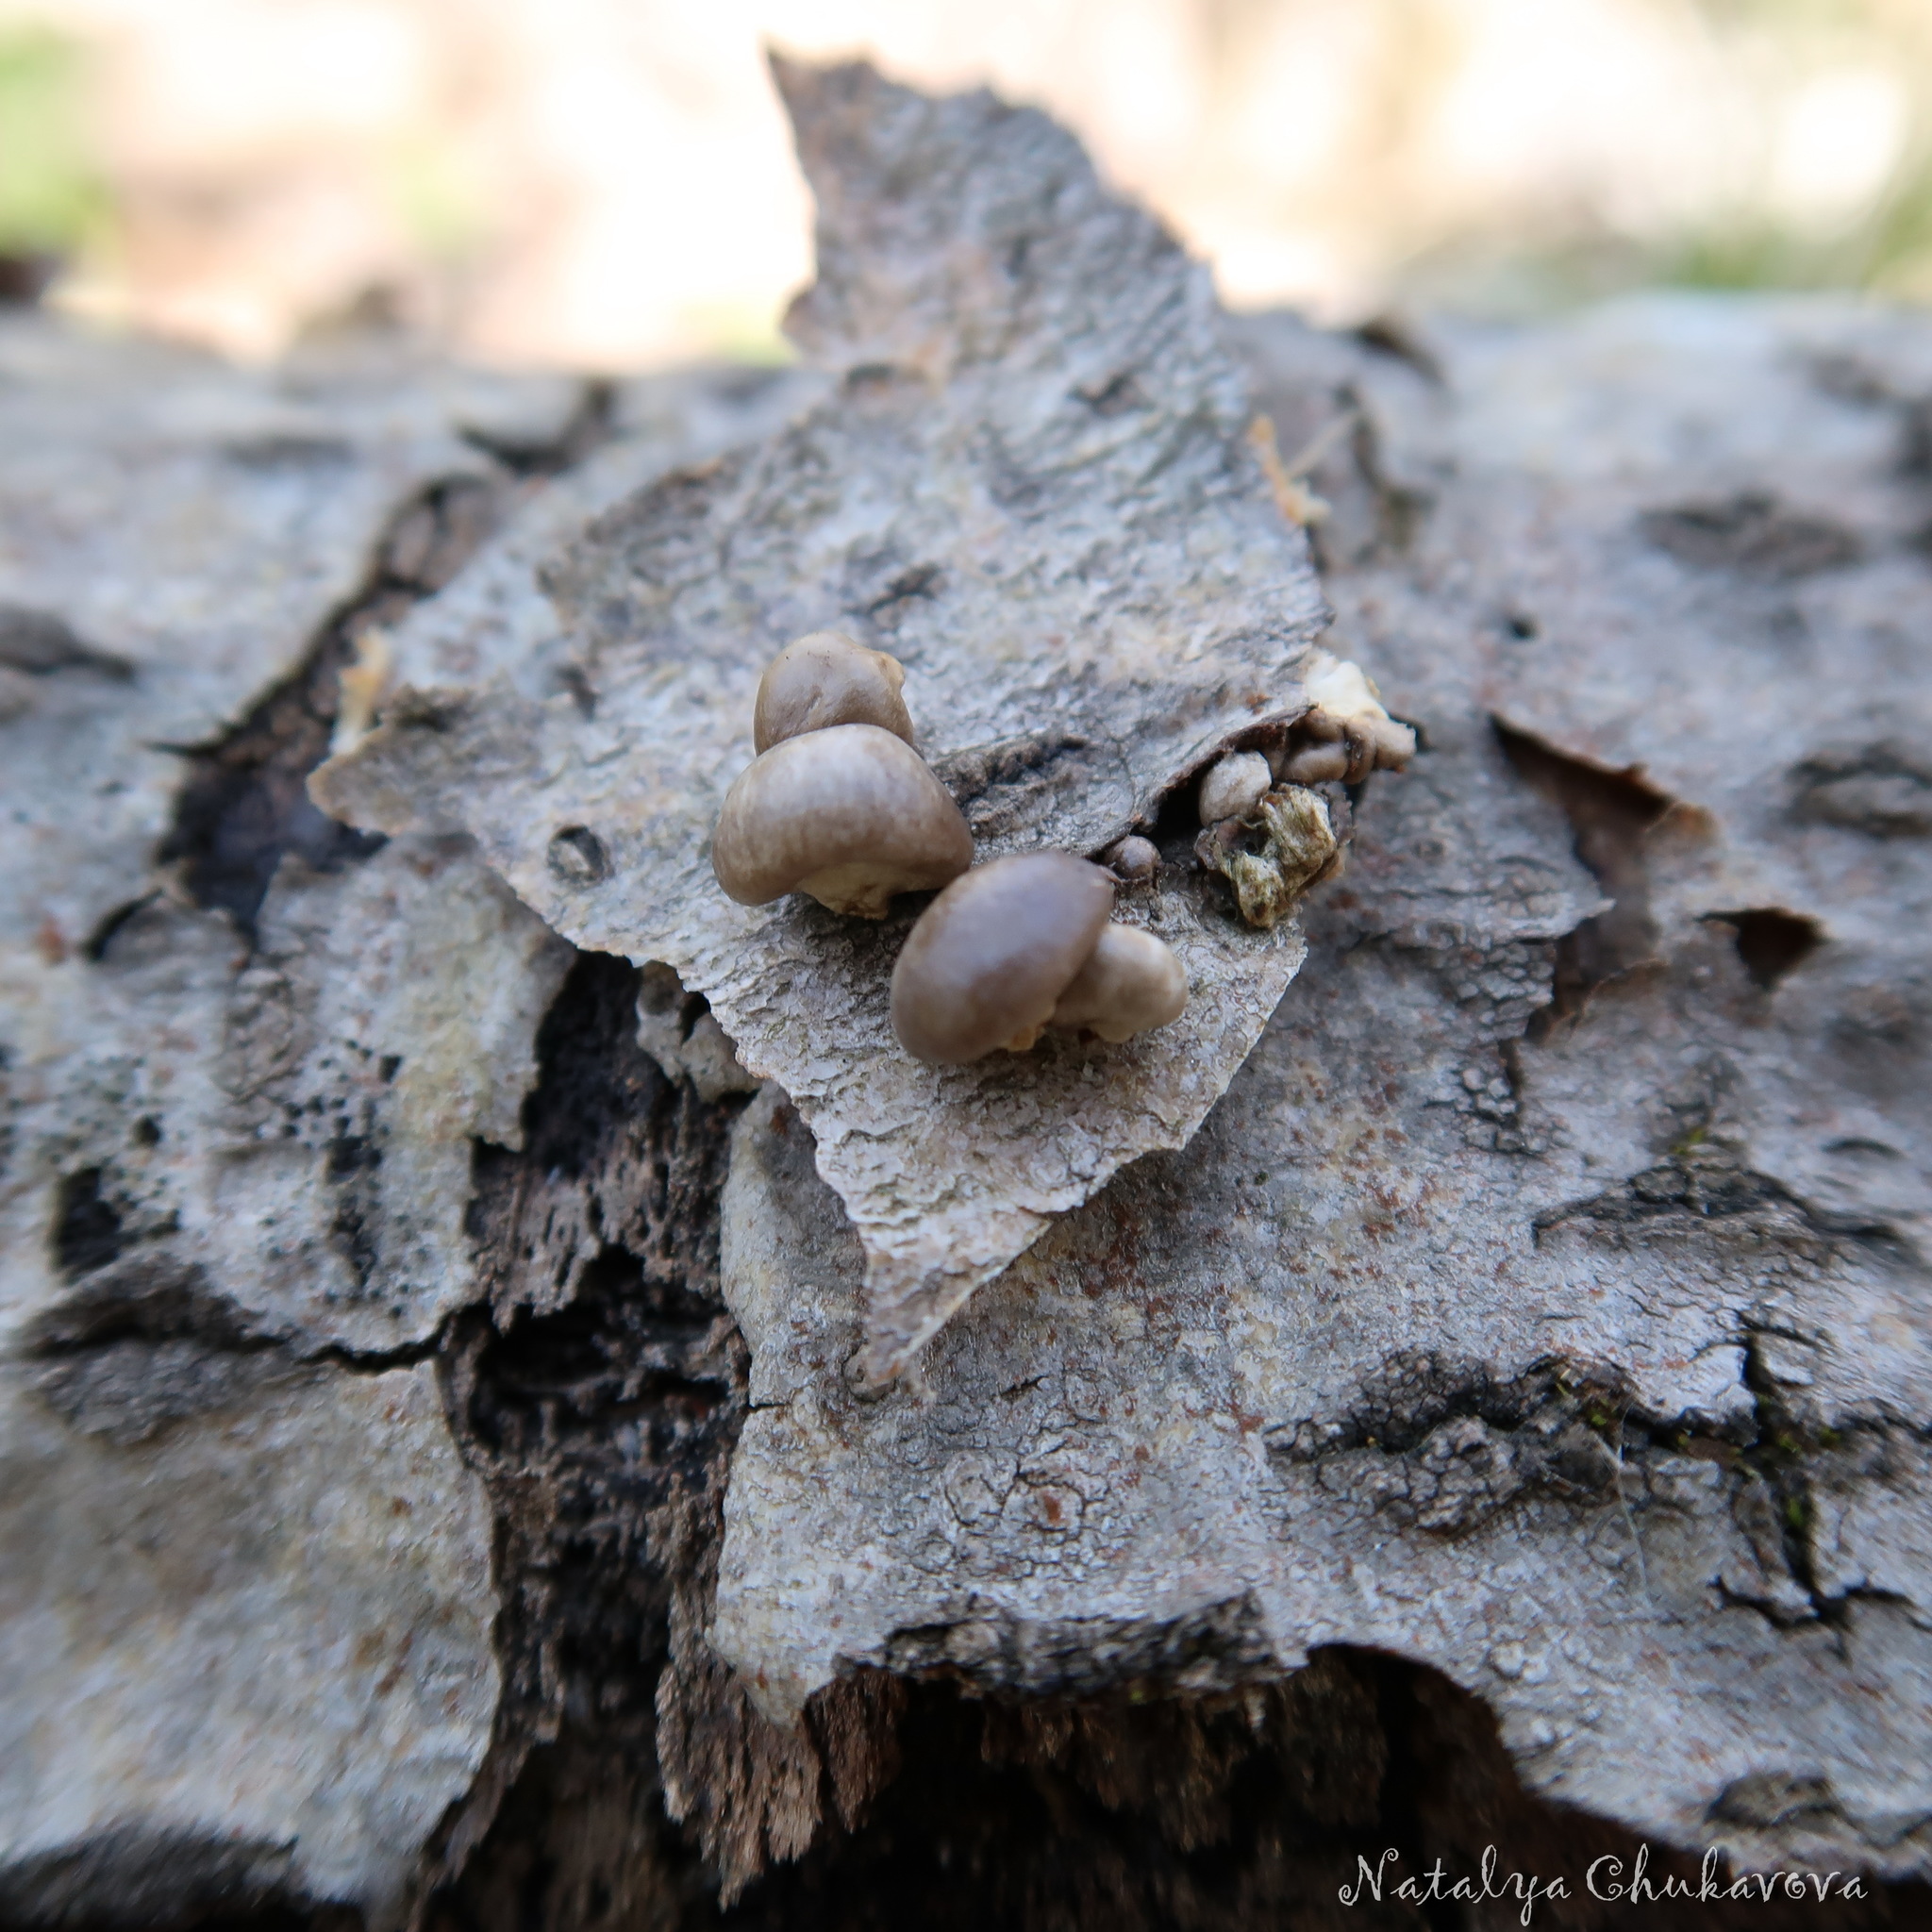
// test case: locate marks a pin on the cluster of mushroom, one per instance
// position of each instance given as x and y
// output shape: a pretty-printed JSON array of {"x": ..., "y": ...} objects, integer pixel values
[
  {"x": 838, "y": 804},
  {"x": 1264, "y": 828}
]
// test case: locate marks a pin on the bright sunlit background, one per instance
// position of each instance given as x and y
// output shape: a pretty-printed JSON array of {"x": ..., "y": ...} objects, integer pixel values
[{"x": 609, "y": 183}]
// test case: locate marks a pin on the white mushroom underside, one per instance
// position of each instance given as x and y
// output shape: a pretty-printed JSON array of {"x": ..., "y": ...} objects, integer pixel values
[{"x": 863, "y": 887}]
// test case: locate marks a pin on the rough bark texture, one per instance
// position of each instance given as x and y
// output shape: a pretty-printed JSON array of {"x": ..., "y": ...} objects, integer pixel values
[
  {"x": 1545, "y": 1298},
  {"x": 1032, "y": 482},
  {"x": 430, "y": 1487}
]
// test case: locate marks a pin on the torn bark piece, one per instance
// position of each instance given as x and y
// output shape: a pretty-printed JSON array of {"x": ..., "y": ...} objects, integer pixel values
[{"x": 1031, "y": 484}]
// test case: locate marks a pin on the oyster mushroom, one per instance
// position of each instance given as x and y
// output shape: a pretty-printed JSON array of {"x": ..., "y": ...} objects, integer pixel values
[
  {"x": 850, "y": 815},
  {"x": 1011, "y": 948},
  {"x": 823, "y": 680}
]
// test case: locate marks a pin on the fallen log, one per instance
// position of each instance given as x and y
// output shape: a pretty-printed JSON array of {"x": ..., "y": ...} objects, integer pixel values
[{"x": 439, "y": 1481}]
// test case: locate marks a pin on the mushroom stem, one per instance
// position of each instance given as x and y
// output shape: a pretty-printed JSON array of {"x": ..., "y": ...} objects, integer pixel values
[
  {"x": 1133, "y": 860},
  {"x": 1130, "y": 983}
]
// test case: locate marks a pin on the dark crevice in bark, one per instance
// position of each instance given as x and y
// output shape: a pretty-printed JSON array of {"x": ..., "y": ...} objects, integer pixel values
[
  {"x": 1771, "y": 942},
  {"x": 88, "y": 1232},
  {"x": 1125, "y": 1813},
  {"x": 1701, "y": 1179},
  {"x": 1416, "y": 1393},
  {"x": 1610, "y": 814},
  {"x": 1753, "y": 534},
  {"x": 1450, "y": 1446},
  {"x": 1135, "y": 1813},
  {"x": 42, "y": 645},
  {"x": 94, "y": 947},
  {"x": 1390, "y": 335},
  {"x": 603, "y": 1427},
  {"x": 1883, "y": 789},
  {"x": 591, "y": 422},
  {"x": 1780, "y": 1456},
  {"x": 244, "y": 803},
  {"x": 144, "y": 1342},
  {"x": 121, "y": 1880}
]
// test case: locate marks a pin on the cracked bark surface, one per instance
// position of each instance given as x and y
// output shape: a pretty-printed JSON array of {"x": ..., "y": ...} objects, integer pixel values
[
  {"x": 256, "y": 1076},
  {"x": 431, "y": 1486},
  {"x": 1517, "y": 1305}
]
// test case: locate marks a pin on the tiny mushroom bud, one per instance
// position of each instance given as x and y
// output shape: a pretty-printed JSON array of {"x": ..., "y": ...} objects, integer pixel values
[
  {"x": 1341, "y": 688},
  {"x": 1133, "y": 860},
  {"x": 1233, "y": 786},
  {"x": 1394, "y": 743},
  {"x": 1013, "y": 947},
  {"x": 1315, "y": 763},
  {"x": 825, "y": 679},
  {"x": 850, "y": 815}
]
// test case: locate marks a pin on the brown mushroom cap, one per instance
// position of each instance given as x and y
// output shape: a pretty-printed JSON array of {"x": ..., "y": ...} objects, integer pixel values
[
  {"x": 850, "y": 815},
  {"x": 1131, "y": 982},
  {"x": 825, "y": 679},
  {"x": 1133, "y": 860},
  {"x": 991, "y": 957}
]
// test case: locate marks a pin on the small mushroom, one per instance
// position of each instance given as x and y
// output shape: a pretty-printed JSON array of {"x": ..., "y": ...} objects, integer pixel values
[
  {"x": 1133, "y": 860},
  {"x": 850, "y": 815},
  {"x": 1315, "y": 764},
  {"x": 1233, "y": 786},
  {"x": 1010, "y": 949},
  {"x": 825, "y": 679}
]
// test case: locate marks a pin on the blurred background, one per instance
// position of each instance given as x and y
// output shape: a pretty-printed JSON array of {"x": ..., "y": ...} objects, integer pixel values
[{"x": 609, "y": 184}]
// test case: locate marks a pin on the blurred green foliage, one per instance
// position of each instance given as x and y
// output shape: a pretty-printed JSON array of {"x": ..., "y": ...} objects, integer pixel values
[
  {"x": 52, "y": 199},
  {"x": 1881, "y": 247},
  {"x": 1886, "y": 247}
]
